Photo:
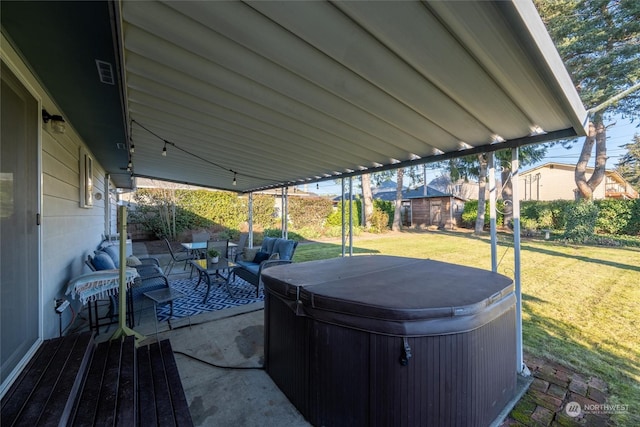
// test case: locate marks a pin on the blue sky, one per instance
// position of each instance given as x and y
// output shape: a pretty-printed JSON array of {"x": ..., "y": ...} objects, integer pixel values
[{"x": 619, "y": 134}]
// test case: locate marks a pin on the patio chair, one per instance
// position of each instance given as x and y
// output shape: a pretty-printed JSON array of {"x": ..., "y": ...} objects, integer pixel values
[
  {"x": 200, "y": 236},
  {"x": 221, "y": 246},
  {"x": 242, "y": 242},
  {"x": 197, "y": 237},
  {"x": 177, "y": 258}
]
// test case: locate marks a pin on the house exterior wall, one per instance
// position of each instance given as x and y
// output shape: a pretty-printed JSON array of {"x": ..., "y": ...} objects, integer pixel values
[
  {"x": 552, "y": 182},
  {"x": 67, "y": 232}
]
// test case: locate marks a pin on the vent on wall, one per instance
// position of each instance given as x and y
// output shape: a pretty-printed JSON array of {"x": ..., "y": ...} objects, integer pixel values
[{"x": 105, "y": 71}]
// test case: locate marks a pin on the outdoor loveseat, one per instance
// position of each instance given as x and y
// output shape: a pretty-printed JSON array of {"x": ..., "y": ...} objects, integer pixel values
[
  {"x": 252, "y": 261},
  {"x": 150, "y": 277}
]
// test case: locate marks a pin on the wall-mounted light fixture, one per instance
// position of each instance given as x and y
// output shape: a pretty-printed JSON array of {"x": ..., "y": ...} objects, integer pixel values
[{"x": 57, "y": 122}]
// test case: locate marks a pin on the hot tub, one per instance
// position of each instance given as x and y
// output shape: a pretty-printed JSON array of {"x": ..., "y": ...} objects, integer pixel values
[{"x": 391, "y": 341}]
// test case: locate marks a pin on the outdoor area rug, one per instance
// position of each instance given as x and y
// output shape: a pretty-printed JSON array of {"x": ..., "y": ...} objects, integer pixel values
[{"x": 219, "y": 299}]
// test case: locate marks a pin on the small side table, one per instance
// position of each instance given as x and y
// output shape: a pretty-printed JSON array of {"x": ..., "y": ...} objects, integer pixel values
[{"x": 163, "y": 296}]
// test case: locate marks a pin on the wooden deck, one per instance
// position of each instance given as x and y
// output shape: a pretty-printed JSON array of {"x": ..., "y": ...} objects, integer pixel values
[{"x": 71, "y": 381}]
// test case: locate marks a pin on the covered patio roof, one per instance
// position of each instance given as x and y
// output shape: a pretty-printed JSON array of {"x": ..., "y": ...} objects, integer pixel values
[{"x": 253, "y": 95}]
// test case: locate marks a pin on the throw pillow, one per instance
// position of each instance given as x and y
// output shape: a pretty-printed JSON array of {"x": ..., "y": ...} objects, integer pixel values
[
  {"x": 248, "y": 254},
  {"x": 132, "y": 261},
  {"x": 114, "y": 252},
  {"x": 260, "y": 256},
  {"x": 102, "y": 261},
  {"x": 274, "y": 255}
]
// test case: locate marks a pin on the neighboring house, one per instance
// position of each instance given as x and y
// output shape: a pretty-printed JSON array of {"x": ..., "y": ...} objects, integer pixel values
[
  {"x": 556, "y": 181},
  {"x": 464, "y": 189}
]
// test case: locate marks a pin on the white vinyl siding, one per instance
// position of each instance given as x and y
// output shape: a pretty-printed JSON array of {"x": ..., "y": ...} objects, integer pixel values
[{"x": 68, "y": 231}]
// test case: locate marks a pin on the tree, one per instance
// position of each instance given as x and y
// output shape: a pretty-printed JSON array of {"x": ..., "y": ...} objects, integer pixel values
[
  {"x": 599, "y": 42},
  {"x": 397, "y": 216},
  {"x": 482, "y": 192},
  {"x": 367, "y": 200},
  {"x": 629, "y": 165}
]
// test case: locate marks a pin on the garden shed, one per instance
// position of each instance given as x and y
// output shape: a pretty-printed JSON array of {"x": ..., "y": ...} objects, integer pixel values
[{"x": 442, "y": 211}]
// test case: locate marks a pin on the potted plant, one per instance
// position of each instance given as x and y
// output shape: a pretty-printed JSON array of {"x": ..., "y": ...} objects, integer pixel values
[{"x": 214, "y": 254}]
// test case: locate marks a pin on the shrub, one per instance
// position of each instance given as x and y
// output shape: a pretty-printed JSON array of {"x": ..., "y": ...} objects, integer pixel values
[
  {"x": 211, "y": 207},
  {"x": 613, "y": 215},
  {"x": 309, "y": 212},
  {"x": 379, "y": 221},
  {"x": 581, "y": 221},
  {"x": 633, "y": 225},
  {"x": 229, "y": 234},
  {"x": 335, "y": 217},
  {"x": 272, "y": 232},
  {"x": 548, "y": 214},
  {"x": 528, "y": 226},
  {"x": 470, "y": 213},
  {"x": 386, "y": 207},
  {"x": 264, "y": 211},
  {"x": 276, "y": 232}
]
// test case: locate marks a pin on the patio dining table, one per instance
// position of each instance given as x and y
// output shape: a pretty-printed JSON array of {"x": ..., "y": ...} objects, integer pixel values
[{"x": 201, "y": 247}]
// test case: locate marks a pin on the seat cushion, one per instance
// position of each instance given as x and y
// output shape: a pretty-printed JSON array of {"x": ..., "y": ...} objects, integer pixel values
[
  {"x": 285, "y": 248},
  {"x": 250, "y": 266},
  {"x": 102, "y": 261}
]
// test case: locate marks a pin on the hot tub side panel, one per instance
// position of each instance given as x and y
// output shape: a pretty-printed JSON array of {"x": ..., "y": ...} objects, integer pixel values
[
  {"x": 462, "y": 379},
  {"x": 287, "y": 351},
  {"x": 339, "y": 376}
]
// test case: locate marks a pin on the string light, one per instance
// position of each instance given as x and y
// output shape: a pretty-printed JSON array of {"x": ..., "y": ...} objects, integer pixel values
[
  {"x": 129, "y": 166},
  {"x": 132, "y": 149},
  {"x": 164, "y": 154}
]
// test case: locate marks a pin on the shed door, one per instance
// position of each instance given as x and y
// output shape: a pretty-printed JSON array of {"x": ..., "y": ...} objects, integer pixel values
[
  {"x": 19, "y": 260},
  {"x": 436, "y": 212}
]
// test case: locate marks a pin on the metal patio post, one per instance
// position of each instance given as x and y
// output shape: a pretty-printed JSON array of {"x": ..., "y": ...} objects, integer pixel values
[
  {"x": 492, "y": 211},
  {"x": 515, "y": 166}
]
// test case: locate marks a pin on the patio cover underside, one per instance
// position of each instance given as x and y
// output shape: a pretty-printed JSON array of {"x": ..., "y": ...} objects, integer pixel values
[{"x": 281, "y": 93}]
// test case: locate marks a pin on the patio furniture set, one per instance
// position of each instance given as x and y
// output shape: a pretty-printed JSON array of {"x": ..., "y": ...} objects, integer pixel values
[{"x": 146, "y": 279}]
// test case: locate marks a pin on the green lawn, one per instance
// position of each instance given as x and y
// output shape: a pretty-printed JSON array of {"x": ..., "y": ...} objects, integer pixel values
[{"x": 581, "y": 304}]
